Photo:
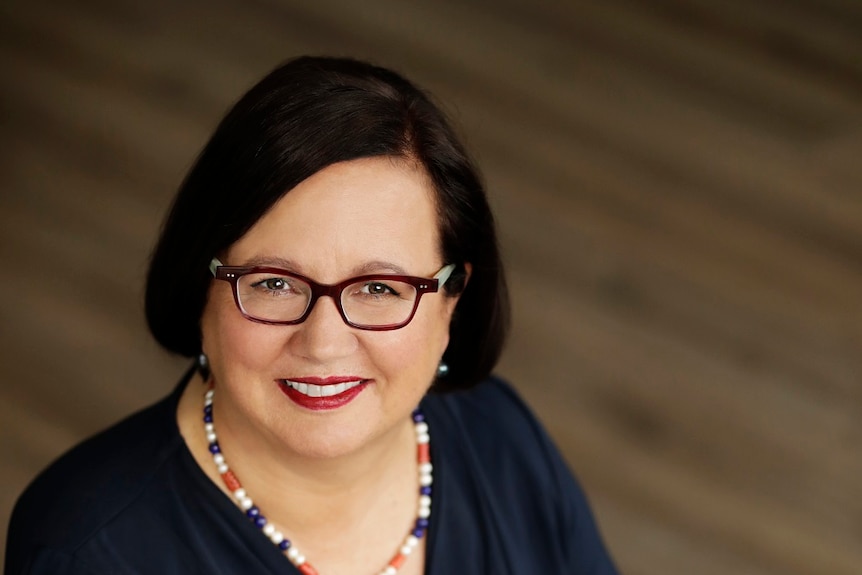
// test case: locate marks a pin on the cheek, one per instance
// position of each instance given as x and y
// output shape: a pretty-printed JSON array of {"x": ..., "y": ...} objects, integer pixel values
[
  {"x": 417, "y": 348},
  {"x": 233, "y": 343}
]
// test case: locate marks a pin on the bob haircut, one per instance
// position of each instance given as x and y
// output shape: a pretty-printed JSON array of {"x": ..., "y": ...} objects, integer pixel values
[{"x": 307, "y": 114}]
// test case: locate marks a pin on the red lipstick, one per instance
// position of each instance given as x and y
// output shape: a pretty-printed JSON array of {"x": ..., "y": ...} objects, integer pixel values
[{"x": 322, "y": 393}]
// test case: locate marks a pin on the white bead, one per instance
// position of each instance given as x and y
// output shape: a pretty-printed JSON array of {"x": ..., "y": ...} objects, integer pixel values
[
  {"x": 218, "y": 458},
  {"x": 421, "y": 428},
  {"x": 292, "y": 554},
  {"x": 425, "y": 468},
  {"x": 424, "y": 512},
  {"x": 209, "y": 427},
  {"x": 425, "y": 480},
  {"x": 406, "y": 549},
  {"x": 277, "y": 537},
  {"x": 300, "y": 559},
  {"x": 246, "y": 503},
  {"x": 223, "y": 468},
  {"x": 210, "y": 393},
  {"x": 424, "y": 501},
  {"x": 211, "y": 437},
  {"x": 390, "y": 570},
  {"x": 240, "y": 493},
  {"x": 411, "y": 541},
  {"x": 268, "y": 529},
  {"x": 423, "y": 438}
]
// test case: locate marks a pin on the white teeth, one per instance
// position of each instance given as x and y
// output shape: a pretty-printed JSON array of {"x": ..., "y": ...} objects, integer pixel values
[
  {"x": 334, "y": 389},
  {"x": 312, "y": 390}
]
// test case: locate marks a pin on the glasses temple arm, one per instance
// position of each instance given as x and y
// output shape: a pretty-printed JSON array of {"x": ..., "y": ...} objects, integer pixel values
[
  {"x": 444, "y": 274},
  {"x": 214, "y": 263}
]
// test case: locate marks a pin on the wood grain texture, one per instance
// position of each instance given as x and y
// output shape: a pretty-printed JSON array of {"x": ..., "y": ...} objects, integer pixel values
[{"x": 677, "y": 185}]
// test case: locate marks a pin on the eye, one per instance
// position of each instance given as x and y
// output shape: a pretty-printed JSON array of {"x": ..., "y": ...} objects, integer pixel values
[
  {"x": 378, "y": 289},
  {"x": 273, "y": 284}
]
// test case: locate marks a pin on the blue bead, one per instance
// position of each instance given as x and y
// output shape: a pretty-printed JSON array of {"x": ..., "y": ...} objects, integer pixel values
[
  {"x": 208, "y": 408},
  {"x": 417, "y": 416},
  {"x": 422, "y": 523},
  {"x": 425, "y": 490},
  {"x": 284, "y": 545},
  {"x": 208, "y": 418},
  {"x": 253, "y": 511},
  {"x": 260, "y": 521},
  {"x": 418, "y": 533},
  {"x": 214, "y": 448}
]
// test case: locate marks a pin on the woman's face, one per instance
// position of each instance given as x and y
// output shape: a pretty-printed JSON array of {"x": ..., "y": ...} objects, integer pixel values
[{"x": 366, "y": 216}]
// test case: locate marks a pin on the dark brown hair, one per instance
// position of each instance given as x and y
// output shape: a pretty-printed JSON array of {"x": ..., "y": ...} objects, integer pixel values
[{"x": 305, "y": 115}]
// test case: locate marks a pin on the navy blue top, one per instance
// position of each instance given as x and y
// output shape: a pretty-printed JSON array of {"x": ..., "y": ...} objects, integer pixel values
[{"x": 133, "y": 500}]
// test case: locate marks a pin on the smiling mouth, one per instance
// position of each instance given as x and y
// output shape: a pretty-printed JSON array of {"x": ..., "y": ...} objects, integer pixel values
[{"x": 312, "y": 390}]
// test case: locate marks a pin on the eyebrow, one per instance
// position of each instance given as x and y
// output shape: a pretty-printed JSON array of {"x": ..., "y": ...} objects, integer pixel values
[
  {"x": 272, "y": 262},
  {"x": 367, "y": 268},
  {"x": 375, "y": 266}
]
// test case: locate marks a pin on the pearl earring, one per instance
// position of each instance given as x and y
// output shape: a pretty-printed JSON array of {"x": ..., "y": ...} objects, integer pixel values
[{"x": 442, "y": 369}]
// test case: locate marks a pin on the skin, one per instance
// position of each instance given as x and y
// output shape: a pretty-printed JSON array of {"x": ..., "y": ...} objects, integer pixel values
[{"x": 352, "y": 470}]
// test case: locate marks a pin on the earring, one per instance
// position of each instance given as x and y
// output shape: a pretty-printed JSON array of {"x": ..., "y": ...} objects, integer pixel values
[
  {"x": 442, "y": 369},
  {"x": 203, "y": 365}
]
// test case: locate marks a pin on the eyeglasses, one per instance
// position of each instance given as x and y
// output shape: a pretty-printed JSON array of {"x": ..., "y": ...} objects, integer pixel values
[{"x": 377, "y": 302}]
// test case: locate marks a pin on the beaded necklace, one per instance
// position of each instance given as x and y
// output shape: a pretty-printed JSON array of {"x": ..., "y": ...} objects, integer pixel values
[{"x": 293, "y": 554}]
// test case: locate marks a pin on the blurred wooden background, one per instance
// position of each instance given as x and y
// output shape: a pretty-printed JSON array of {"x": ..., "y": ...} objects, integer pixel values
[{"x": 679, "y": 191}]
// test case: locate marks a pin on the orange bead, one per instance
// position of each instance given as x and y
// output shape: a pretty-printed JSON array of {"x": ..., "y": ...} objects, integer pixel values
[
  {"x": 398, "y": 561},
  {"x": 230, "y": 481},
  {"x": 307, "y": 569},
  {"x": 424, "y": 454}
]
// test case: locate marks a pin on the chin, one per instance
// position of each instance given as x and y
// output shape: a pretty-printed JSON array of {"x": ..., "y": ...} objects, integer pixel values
[{"x": 327, "y": 445}]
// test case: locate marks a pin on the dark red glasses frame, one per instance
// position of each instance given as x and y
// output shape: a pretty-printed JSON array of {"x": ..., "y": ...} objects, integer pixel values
[{"x": 231, "y": 274}]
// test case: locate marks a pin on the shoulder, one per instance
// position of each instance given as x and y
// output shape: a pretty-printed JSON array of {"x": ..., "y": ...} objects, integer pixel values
[
  {"x": 504, "y": 478},
  {"x": 89, "y": 486},
  {"x": 488, "y": 436},
  {"x": 485, "y": 402},
  {"x": 493, "y": 418}
]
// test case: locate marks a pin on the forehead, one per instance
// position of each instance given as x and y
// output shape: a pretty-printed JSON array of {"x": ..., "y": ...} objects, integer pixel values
[{"x": 341, "y": 218}]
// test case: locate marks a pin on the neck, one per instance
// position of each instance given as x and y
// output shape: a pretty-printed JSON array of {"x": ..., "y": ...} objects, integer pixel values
[
  {"x": 347, "y": 486},
  {"x": 376, "y": 481}
]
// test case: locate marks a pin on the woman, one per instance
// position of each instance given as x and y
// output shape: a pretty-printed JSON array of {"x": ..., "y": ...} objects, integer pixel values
[{"x": 329, "y": 259}]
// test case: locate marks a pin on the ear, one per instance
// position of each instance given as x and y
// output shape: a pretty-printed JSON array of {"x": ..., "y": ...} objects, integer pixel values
[
  {"x": 468, "y": 270},
  {"x": 452, "y": 301}
]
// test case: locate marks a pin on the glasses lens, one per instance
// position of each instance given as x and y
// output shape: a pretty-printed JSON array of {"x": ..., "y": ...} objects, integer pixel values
[
  {"x": 273, "y": 297},
  {"x": 378, "y": 302}
]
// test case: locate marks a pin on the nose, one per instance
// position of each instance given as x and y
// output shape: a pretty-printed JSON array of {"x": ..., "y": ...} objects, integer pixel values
[{"x": 324, "y": 336}]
